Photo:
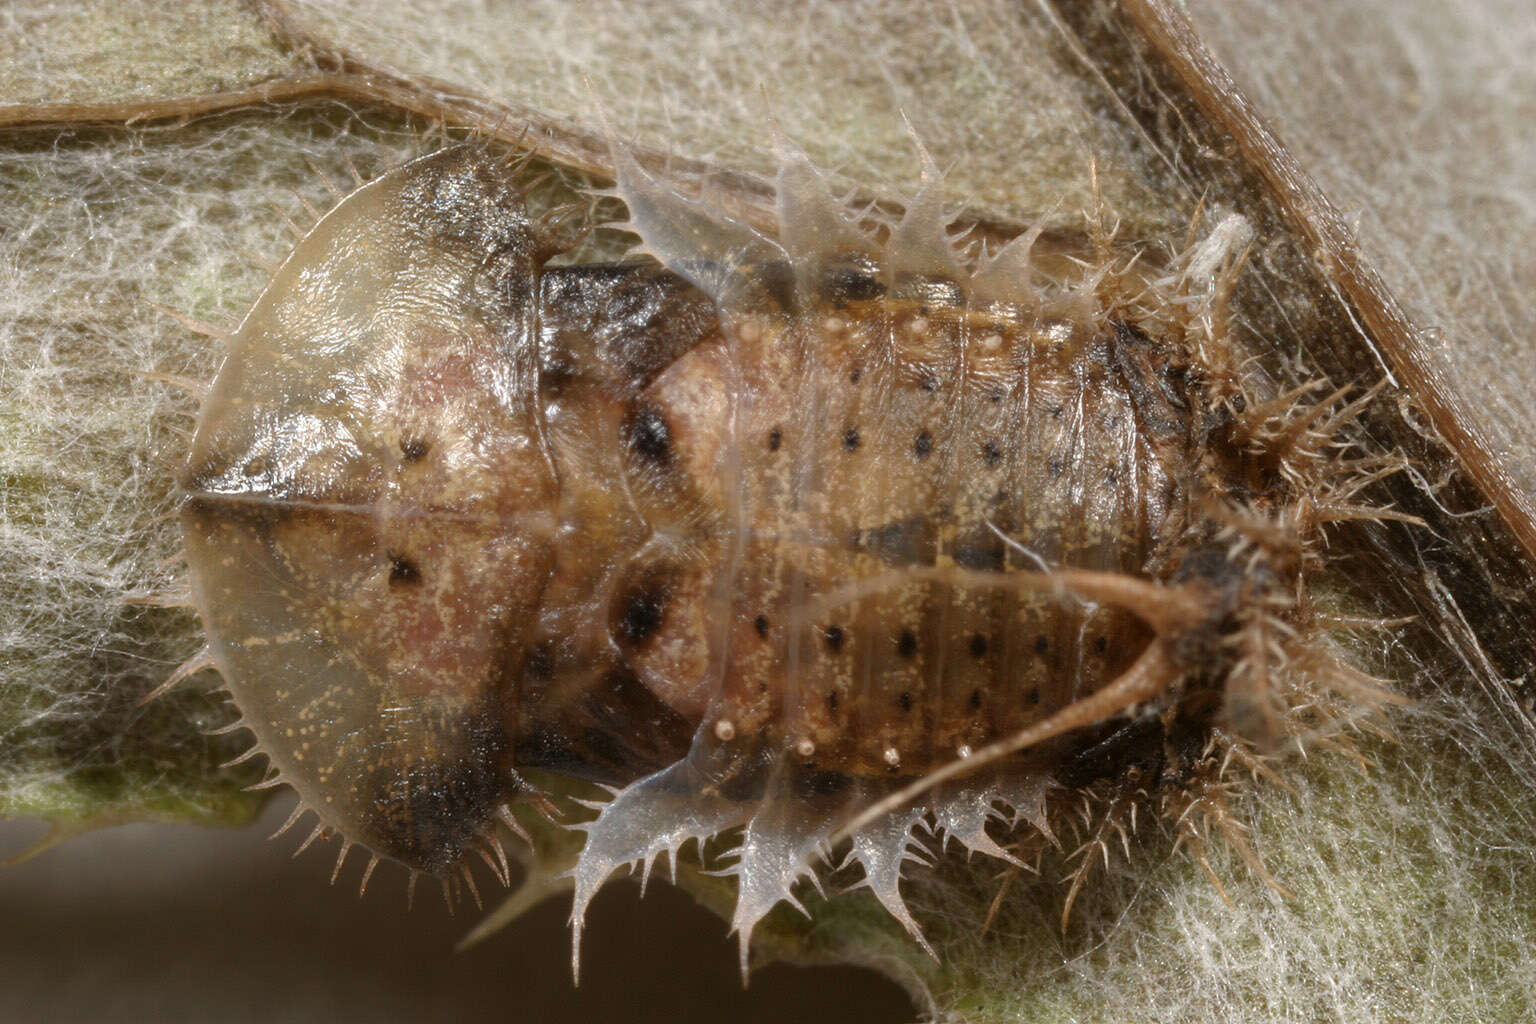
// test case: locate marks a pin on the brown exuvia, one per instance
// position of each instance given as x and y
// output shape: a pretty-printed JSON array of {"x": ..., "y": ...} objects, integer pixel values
[{"x": 823, "y": 536}]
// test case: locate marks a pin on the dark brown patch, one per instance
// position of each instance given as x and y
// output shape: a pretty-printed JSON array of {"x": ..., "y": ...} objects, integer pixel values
[
  {"x": 650, "y": 437},
  {"x": 849, "y": 282},
  {"x": 642, "y": 609},
  {"x": 403, "y": 571},
  {"x": 428, "y": 811}
]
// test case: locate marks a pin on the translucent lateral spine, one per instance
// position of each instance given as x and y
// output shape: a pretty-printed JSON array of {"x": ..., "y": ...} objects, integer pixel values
[
  {"x": 963, "y": 814},
  {"x": 920, "y": 244},
  {"x": 686, "y": 236},
  {"x": 783, "y": 841},
  {"x": 882, "y": 848},
  {"x": 1008, "y": 275},
  {"x": 655, "y": 815},
  {"x": 813, "y": 225}
]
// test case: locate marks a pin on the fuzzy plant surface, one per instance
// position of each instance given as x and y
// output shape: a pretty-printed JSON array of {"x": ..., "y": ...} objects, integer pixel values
[{"x": 150, "y": 179}]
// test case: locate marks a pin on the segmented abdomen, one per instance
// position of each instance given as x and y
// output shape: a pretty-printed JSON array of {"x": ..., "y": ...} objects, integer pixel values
[{"x": 837, "y": 496}]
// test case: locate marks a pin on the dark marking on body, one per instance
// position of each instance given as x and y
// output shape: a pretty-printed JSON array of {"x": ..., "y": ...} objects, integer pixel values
[
  {"x": 981, "y": 552},
  {"x": 642, "y": 609},
  {"x": 650, "y": 437},
  {"x": 909, "y": 542},
  {"x": 851, "y": 281},
  {"x": 1137, "y": 744},
  {"x": 403, "y": 571},
  {"x": 429, "y": 810}
]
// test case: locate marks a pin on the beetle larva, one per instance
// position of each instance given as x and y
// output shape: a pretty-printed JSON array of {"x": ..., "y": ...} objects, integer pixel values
[{"x": 820, "y": 536}]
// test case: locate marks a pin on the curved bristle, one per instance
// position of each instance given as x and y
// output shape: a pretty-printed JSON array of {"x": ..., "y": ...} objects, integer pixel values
[
  {"x": 495, "y": 858},
  {"x": 196, "y": 388},
  {"x": 469, "y": 883},
  {"x": 325, "y": 180},
  {"x": 504, "y": 813},
  {"x": 254, "y": 751},
  {"x": 270, "y": 782},
  {"x": 299, "y": 810},
  {"x": 341, "y": 857},
  {"x": 200, "y": 661},
  {"x": 196, "y": 326},
  {"x": 320, "y": 829},
  {"x": 292, "y": 225},
  {"x": 362, "y": 887},
  {"x": 309, "y": 207},
  {"x": 225, "y": 730},
  {"x": 357, "y": 179}
]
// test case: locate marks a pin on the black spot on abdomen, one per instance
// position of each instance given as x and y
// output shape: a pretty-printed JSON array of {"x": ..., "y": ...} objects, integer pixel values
[
  {"x": 640, "y": 610},
  {"x": 650, "y": 436},
  {"x": 403, "y": 571}
]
